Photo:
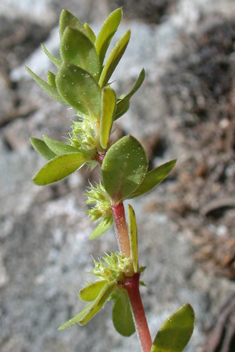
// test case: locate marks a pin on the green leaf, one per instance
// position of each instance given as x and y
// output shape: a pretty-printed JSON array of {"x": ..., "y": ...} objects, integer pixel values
[
  {"x": 68, "y": 19},
  {"x": 42, "y": 148},
  {"x": 124, "y": 167},
  {"x": 142, "y": 269},
  {"x": 75, "y": 320},
  {"x": 133, "y": 237},
  {"x": 52, "y": 91},
  {"x": 176, "y": 331},
  {"x": 123, "y": 104},
  {"x": 122, "y": 109},
  {"x": 108, "y": 105},
  {"x": 58, "y": 168},
  {"x": 99, "y": 302},
  {"x": 90, "y": 33},
  {"x": 59, "y": 147},
  {"x": 86, "y": 314},
  {"x": 51, "y": 79},
  {"x": 77, "y": 49},
  {"x": 79, "y": 89},
  {"x": 142, "y": 283},
  {"x": 54, "y": 59},
  {"x": 107, "y": 32},
  {"x": 92, "y": 290},
  {"x": 122, "y": 315},
  {"x": 103, "y": 226},
  {"x": 114, "y": 58},
  {"x": 153, "y": 178}
]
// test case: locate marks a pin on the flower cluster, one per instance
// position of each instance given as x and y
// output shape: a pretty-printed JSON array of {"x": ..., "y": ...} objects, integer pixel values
[{"x": 117, "y": 265}]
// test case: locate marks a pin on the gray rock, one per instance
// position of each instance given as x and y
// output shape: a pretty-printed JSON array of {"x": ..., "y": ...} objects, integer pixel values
[{"x": 46, "y": 256}]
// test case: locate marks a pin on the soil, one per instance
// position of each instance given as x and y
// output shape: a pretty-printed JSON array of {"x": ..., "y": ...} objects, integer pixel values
[{"x": 200, "y": 92}]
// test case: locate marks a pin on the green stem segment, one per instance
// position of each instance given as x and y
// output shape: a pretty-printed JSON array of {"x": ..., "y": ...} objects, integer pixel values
[
  {"x": 121, "y": 227},
  {"x": 131, "y": 284}
]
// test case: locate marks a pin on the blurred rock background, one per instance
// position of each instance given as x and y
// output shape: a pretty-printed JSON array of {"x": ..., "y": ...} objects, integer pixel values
[{"x": 185, "y": 109}]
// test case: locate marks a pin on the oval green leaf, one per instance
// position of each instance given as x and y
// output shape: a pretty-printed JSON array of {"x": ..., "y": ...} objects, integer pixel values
[
  {"x": 153, "y": 178},
  {"x": 52, "y": 91},
  {"x": 123, "y": 104},
  {"x": 90, "y": 33},
  {"x": 99, "y": 302},
  {"x": 107, "y": 32},
  {"x": 54, "y": 59},
  {"x": 133, "y": 237},
  {"x": 176, "y": 331},
  {"x": 41, "y": 147},
  {"x": 79, "y": 89},
  {"x": 59, "y": 147},
  {"x": 91, "y": 291},
  {"x": 68, "y": 19},
  {"x": 58, "y": 168},
  {"x": 77, "y": 49},
  {"x": 114, "y": 58},
  {"x": 124, "y": 167},
  {"x": 108, "y": 105},
  {"x": 103, "y": 226},
  {"x": 122, "y": 315}
]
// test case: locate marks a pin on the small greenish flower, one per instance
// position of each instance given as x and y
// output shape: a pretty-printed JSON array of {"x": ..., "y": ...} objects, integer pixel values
[
  {"x": 100, "y": 197},
  {"x": 100, "y": 211},
  {"x": 112, "y": 267},
  {"x": 82, "y": 136}
]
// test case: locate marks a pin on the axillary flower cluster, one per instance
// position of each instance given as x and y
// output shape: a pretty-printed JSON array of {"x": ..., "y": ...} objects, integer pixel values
[{"x": 83, "y": 83}]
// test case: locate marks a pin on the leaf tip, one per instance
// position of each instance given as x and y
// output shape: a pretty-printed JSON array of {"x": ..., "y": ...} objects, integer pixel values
[
  {"x": 34, "y": 181},
  {"x": 128, "y": 33}
]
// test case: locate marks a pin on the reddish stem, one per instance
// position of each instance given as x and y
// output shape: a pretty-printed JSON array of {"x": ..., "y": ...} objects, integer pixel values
[
  {"x": 121, "y": 227},
  {"x": 100, "y": 157},
  {"x": 131, "y": 283},
  {"x": 132, "y": 286}
]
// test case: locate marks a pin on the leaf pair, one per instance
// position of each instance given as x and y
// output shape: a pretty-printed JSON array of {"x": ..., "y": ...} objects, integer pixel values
[
  {"x": 173, "y": 336},
  {"x": 99, "y": 292},
  {"x": 63, "y": 160},
  {"x": 124, "y": 170}
]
